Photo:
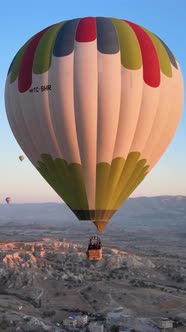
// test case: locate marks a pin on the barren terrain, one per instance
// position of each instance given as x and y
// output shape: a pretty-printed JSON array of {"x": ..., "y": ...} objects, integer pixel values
[{"x": 45, "y": 275}]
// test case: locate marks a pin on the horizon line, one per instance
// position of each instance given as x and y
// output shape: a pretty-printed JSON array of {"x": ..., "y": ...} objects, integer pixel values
[{"x": 62, "y": 202}]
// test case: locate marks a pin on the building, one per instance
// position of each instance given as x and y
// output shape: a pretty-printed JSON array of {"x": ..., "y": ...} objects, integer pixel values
[
  {"x": 164, "y": 324},
  {"x": 70, "y": 322},
  {"x": 95, "y": 327},
  {"x": 82, "y": 320}
]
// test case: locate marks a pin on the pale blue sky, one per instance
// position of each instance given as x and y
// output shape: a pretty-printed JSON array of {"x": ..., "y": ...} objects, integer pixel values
[{"x": 20, "y": 19}]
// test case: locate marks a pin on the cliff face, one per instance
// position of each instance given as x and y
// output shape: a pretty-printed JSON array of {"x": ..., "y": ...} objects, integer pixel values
[
  {"x": 50, "y": 277},
  {"x": 20, "y": 262}
]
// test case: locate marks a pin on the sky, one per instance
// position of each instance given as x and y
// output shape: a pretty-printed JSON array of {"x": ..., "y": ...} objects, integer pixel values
[{"x": 21, "y": 19}]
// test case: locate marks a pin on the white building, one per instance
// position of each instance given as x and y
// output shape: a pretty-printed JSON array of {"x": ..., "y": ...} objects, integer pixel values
[
  {"x": 95, "y": 327},
  {"x": 70, "y": 322},
  {"x": 82, "y": 320},
  {"x": 166, "y": 324}
]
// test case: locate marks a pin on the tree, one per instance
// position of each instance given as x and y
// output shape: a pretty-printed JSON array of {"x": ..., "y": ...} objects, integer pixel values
[{"x": 114, "y": 328}]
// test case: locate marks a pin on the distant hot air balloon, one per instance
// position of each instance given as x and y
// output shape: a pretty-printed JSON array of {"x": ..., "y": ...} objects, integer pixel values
[
  {"x": 94, "y": 103},
  {"x": 8, "y": 200},
  {"x": 21, "y": 158}
]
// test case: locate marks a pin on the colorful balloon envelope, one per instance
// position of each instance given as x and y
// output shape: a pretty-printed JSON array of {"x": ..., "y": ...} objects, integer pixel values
[
  {"x": 8, "y": 200},
  {"x": 21, "y": 158},
  {"x": 94, "y": 103}
]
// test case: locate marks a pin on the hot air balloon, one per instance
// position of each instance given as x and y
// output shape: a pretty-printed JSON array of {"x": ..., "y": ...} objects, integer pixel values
[
  {"x": 94, "y": 103},
  {"x": 8, "y": 200},
  {"x": 21, "y": 158}
]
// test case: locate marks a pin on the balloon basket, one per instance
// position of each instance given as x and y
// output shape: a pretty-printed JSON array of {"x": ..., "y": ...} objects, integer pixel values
[{"x": 94, "y": 250}]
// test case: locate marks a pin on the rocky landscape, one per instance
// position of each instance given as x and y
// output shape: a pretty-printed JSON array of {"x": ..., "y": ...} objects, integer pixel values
[{"x": 45, "y": 277}]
